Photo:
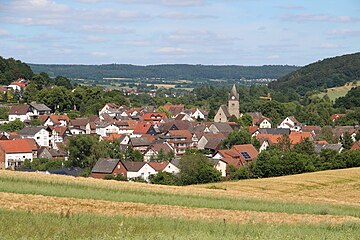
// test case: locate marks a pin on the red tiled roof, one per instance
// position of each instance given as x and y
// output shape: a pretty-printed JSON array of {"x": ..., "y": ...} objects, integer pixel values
[
  {"x": 336, "y": 116},
  {"x": 18, "y": 146},
  {"x": 297, "y": 137},
  {"x": 355, "y": 146},
  {"x": 158, "y": 166},
  {"x": 142, "y": 128},
  {"x": 153, "y": 116},
  {"x": 253, "y": 129},
  {"x": 56, "y": 118},
  {"x": 183, "y": 133},
  {"x": 19, "y": 109},
  {"x": 248, "y": 148}
]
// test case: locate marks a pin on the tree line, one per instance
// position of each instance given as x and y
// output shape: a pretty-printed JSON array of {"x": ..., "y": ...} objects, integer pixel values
[{"x": 166, "y": 71}]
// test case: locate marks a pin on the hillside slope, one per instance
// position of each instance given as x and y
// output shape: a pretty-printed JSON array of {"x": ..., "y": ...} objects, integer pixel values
[
  {"x": 11, "y": 70},
  {"x": 328, "y": 73}
]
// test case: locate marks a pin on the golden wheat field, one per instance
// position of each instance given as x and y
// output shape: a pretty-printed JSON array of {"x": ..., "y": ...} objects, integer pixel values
[{"x": 311, "y": 199}]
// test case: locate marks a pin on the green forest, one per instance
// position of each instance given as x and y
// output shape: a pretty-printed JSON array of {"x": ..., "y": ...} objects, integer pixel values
[
  {"x": 166, "y": 71},
  {"x": 11, "y": 70},
  {"x": 330, "y": 72}
]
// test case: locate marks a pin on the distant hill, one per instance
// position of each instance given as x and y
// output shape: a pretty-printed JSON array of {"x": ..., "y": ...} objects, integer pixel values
[
  {"x": 328, "y": 73},
  {"x": 12, "y": 69},
  {"x": 168, "y": 71}
]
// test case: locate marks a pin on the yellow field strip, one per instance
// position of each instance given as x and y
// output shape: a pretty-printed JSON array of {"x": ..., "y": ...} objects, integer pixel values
[{"x": 69, "y": 206}]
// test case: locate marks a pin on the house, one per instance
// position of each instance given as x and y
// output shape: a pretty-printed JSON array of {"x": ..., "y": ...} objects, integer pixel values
[
  {"x": 13, "y": 153},
  {"x": 219, "y": 127},
  {"x": 20, "y": 112},
  {"x": 339, "y": 132},
  {"x": 57, "y": 134},
  {"x": 259, "y": 120},
  {"x": 138, "y": 170},
  {"x": 179, "y": 140},
  {"x": 164, "y": 167},
  {"x": 105, "y": 167},
  {"x": 253, "y": 130},
  {"x": 336, "y": 147},
  {"x": 315, "y": 130},
  {"x": 50, "y": 153},
  {"x": 79, "y": 126},
  {"x": 334, "y": 117},
  {"x": 174, "y": 109},
  {"x": 210, "y": 141},
  {"x": 39, "y": 134},
  {"x": 184, "y": 117},
  {"x": 275, "y": 131},
  {"x": 144, "y": 128},
  {"x": 355, "y": 146},
  {"x": 154, "y": 149},
  {"x": 199, "y": 114},
  {"x": 109, "y": 108},
  {"x": 267, "y": 140},
  {"x": 153, "y": 117},
  {"x": 291, "y": 123},
  {"x": 140, "y": 143},
  {"x": 57, "y": 120},
  {"x": 106, "y": 128},
  {"x": 237, "y": 156},
  {"x": 39, "y": 109},
  {"x": 170, "y": 124},
  {"x": 18, "y": 85},
  {"x": 263, "y": 122},
  {"x": 232, "y": 109}
]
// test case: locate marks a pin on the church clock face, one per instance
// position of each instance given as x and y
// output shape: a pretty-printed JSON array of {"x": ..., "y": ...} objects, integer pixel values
[{"x": 232, "y": 97}]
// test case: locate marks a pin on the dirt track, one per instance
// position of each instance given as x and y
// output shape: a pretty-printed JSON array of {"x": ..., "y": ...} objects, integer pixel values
[{"x": 69, "y": 206}]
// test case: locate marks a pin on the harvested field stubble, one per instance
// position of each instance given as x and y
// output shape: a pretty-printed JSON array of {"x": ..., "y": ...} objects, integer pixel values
[{"x": 68, "y": 206}]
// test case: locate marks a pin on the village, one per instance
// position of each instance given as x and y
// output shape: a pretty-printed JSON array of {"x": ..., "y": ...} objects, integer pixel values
[{"x": 169, "y": 133}]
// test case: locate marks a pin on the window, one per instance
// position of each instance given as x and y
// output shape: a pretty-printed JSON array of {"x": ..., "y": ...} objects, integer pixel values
[{"x": 119, "y": 166}]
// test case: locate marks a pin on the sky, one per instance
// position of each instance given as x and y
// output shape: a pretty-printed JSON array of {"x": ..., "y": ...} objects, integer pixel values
[{"x": 143, "y": 32}]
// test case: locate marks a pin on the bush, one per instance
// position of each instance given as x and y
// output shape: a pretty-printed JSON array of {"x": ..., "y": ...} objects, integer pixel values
[{"x": 164, "y": 178}]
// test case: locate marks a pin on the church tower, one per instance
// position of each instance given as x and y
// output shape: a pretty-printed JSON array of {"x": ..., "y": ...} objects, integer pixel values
[{"x": 233, "y": 104}]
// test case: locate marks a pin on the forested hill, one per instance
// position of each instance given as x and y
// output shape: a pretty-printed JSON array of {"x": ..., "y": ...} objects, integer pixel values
[
  {"x": 168, "y": 71},
  {"x": 11, "y": 70},
  {"x": 330, "y": 72}
]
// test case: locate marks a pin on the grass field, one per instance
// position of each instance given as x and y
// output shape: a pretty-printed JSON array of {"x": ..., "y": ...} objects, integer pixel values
[
  {"x": 323, "y": 205},
  {"x": 337, "y": 92}
]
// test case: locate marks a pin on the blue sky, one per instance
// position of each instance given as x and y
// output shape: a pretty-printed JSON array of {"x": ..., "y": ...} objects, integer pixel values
[{"x": 240, "y": 32}]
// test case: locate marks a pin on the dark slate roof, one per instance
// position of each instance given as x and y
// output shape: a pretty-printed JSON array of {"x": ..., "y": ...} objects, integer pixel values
[
  {"x": 30, "y": 130},
  {"x": 225, "y": 110},
  {"x": 40, "y": 106},
  {"x": 70, "y": 171},
  {"x": 133, "y": 166},
  {"x": 213, "y": 143},
  {"x": 274, "y": 131},
  {"x": 176, "y": 162},
  {"x": 319, "y": 147},
  {"x": 19, "y": 110},
  {"x": 142, "y": 141},
  {"x": 223, "y": 127},
  {"x": 105, "y": 165}
]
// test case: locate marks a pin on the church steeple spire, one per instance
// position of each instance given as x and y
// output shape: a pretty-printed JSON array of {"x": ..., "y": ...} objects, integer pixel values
[{"x": 234, "y": 94}]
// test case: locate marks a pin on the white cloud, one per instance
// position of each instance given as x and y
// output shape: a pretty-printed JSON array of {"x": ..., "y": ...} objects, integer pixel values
[
  {"x": 318, "y": 18},
  {"x": 4, "y": 33},
  {"x": 100, "y": 54},
  {"x": 171, "y": 50},
  {"x": 184, "y": 16},
  {"x": 344, "y": 32}
]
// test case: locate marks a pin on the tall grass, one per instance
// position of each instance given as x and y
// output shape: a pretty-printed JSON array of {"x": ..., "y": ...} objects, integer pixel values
[
  {"x": 44, "y": 186},
  {"x": 25, "y": 225}
]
